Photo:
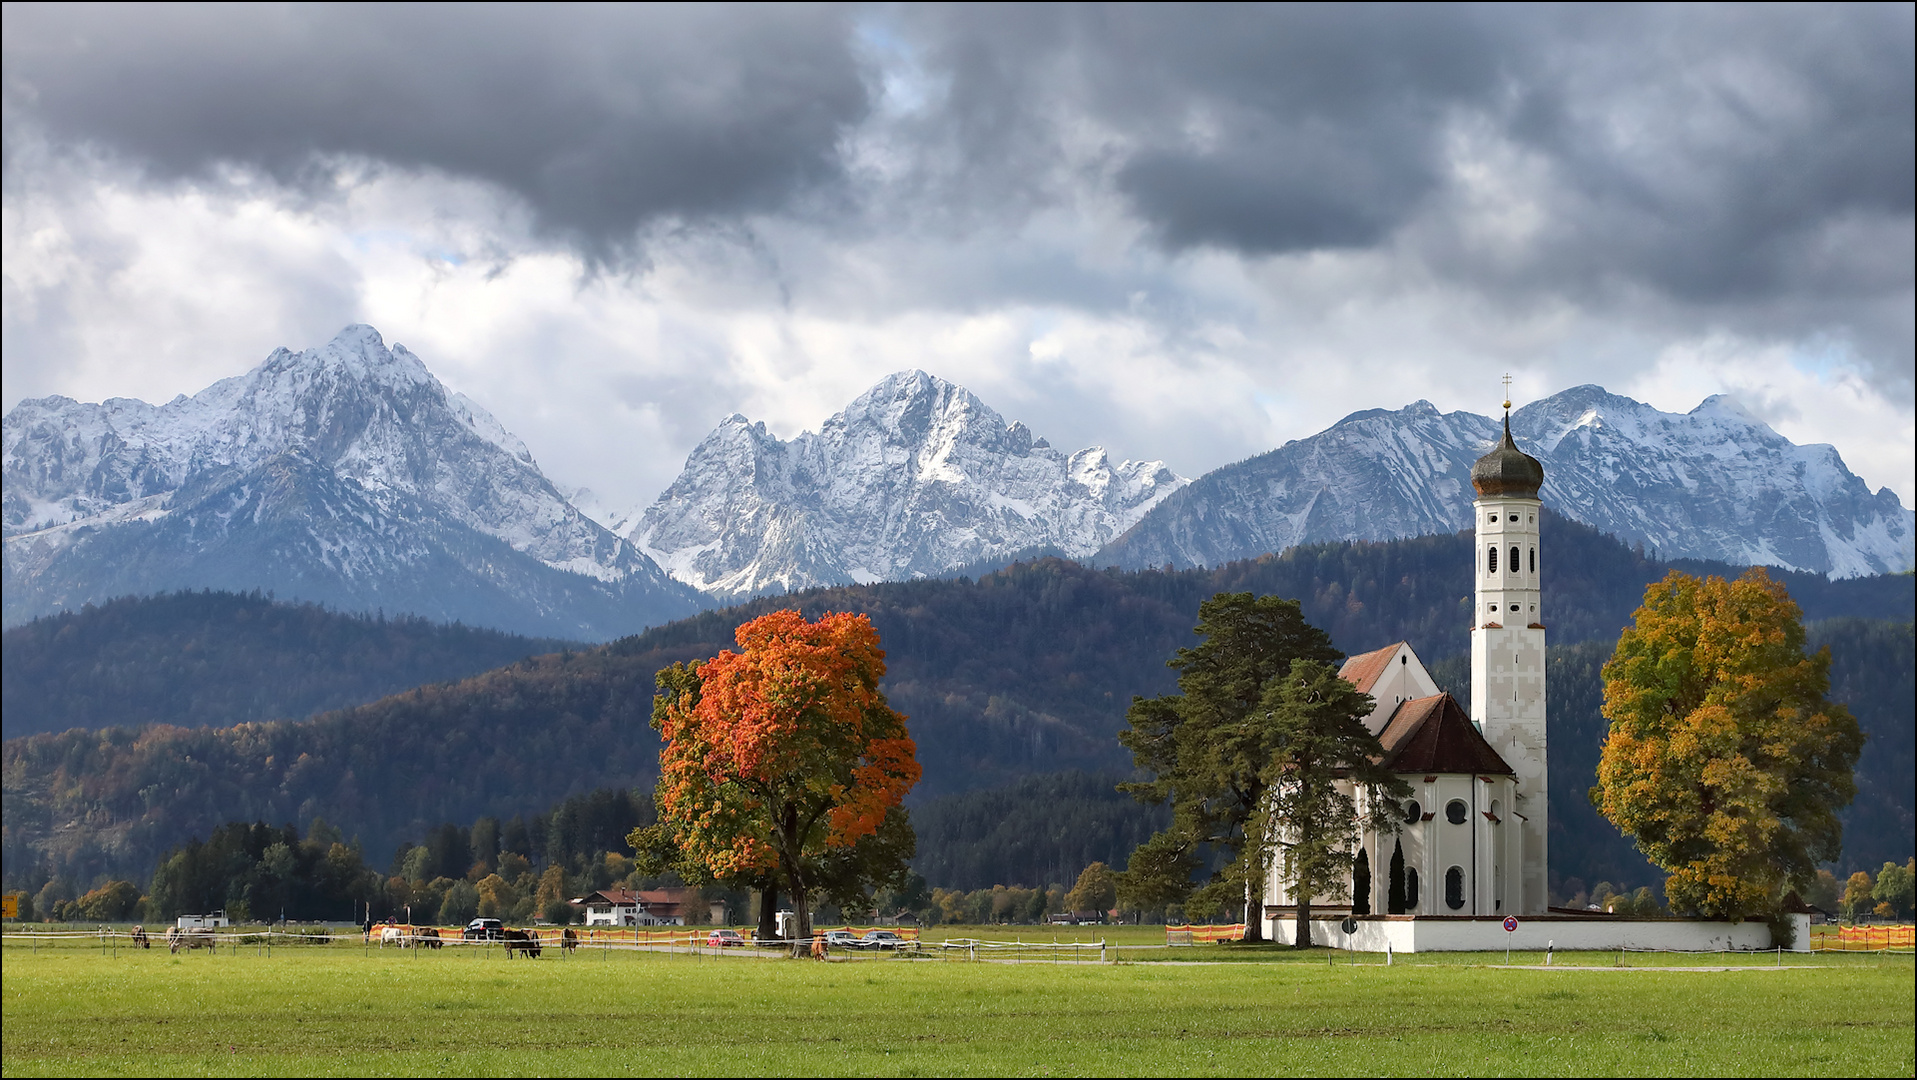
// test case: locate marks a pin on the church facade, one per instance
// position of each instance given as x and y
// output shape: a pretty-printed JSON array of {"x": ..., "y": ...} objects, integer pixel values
[{"x": 1472, "y": 839}]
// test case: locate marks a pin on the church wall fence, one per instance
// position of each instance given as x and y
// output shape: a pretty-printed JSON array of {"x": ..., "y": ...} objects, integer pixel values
[{"x": 1428, "y": 933}]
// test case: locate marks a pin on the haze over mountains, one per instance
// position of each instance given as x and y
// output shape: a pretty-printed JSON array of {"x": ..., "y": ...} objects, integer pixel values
[{"x": 347, "y": 474}]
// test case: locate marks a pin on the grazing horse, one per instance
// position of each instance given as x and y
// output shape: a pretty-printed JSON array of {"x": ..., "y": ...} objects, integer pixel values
[
  {"x": 568, "y": 941},
  {"x": 521, "y": 941},
  {"x": 427, "y": 936},
  {"x": 139, "y": 937},
  {"x": 393, "y": 935},
  {"x": 177, "y": 939}
]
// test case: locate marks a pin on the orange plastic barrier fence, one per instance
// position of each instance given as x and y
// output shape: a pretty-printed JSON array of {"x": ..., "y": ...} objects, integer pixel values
[
  {"x": 1203, "y": 935},
  {"x": 1876, "y": 937}
]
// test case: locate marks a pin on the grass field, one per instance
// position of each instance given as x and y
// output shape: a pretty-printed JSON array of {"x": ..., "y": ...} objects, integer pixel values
[{"x": 341, "y": 1010}]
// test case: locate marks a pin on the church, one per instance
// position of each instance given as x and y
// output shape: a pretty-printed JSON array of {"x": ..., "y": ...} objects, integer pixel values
[{"x": 1473, "y": 836}]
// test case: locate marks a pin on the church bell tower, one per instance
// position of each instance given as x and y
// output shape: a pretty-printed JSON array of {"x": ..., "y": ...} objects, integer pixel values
[{"x": 1507, "y": 645}]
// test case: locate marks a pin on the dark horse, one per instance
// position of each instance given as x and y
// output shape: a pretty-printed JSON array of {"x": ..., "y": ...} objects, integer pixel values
[{"x": 522, "y": 941}]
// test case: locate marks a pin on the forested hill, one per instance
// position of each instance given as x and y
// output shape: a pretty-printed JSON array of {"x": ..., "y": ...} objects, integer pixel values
[
  {"x": 1026, "y": 670},
  {"x": 219, "y": 658}
]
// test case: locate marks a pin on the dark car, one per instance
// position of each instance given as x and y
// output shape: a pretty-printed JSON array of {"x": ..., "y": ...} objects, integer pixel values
[
  {"x": 880, "y": 939},
  {"x": 484, "y": 930}
]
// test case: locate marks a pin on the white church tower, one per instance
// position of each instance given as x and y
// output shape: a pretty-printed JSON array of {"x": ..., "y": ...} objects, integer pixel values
[{"x": 1507, "y": 645}]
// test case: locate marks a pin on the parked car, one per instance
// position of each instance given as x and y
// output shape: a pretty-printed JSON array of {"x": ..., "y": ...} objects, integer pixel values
[
  {"x": 484, "y": 930},
  {"x": 880, "y": 939},
  {"x": 723, "y": 938},
  {"x": 841, "y": 939}
]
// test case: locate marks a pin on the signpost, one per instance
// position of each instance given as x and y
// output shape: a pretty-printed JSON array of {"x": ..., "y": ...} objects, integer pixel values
[
  {"x": 1510, "y": 927},
  {"x": 10, "y": 906},
  {"x": 1350, "y": 927}
]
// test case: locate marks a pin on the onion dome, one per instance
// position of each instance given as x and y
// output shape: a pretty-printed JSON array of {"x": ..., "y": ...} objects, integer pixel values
[{"x": 1507, "y": 470}]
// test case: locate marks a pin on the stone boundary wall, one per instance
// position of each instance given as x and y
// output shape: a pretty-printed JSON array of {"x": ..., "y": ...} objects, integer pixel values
[{"x": 1417, "y": 933}]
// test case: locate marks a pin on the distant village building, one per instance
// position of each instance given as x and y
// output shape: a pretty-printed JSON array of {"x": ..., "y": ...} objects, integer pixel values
[
  {"x": 1473, "y": 836},
  {"x": 646, "y": 907}
]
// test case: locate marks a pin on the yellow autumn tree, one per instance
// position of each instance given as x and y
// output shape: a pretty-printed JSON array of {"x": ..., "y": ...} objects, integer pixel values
[{"x": 1724, "y": 761}]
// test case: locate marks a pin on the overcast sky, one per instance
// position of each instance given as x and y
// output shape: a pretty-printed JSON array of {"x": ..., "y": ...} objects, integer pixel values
[{"x": 1182, "y": 233}]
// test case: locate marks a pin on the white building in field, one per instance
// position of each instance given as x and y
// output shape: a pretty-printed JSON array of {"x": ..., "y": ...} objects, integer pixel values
[
  {"x": 1472, "y": 838},
  {"x": 1472, "y": 847}
]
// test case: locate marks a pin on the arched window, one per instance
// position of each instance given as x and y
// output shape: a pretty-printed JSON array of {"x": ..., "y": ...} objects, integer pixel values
[
  {"x": 1516, "y": 563},
  {"x": 1534, "y": 560},
  {"x": 1410, "y": 888},
  {"x": 1494, "y": 560},
  {"x": 1454, "y": 888}
]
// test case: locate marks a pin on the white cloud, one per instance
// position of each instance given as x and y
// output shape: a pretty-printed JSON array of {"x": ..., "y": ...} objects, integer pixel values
[{"x": 1063, "y": 319}]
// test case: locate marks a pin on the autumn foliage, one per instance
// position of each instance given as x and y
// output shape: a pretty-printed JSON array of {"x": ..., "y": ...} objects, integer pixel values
[
  {"x": 780, "y": 758},
  {"x": 1724, "y": 761}
]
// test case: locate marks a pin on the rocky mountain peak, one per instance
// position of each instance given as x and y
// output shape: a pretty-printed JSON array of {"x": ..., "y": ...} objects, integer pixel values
[
  {"x": 916, "y": 476},
  {"x": 1715, "y": 483},
  {"x": 357, "y": 433}
]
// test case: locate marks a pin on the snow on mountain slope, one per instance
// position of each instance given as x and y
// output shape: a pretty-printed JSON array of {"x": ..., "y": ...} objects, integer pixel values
[
  {"x": 1714, "y": 483},
  {"x": 916, "y": 477},
  {"x": 389, "y": 466}
]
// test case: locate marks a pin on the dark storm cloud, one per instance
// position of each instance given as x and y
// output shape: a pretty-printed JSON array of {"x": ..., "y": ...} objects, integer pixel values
[
  {"x": 1711, "y": 153},
  {"x": 601, "y": 118},
  {"x": 1707, "y": 155}
]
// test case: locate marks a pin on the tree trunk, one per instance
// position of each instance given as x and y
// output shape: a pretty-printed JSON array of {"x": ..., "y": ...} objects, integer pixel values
[
  {"x": 1254, "y": 911},
  {"x": 802, "y": 923},
  {"x": 1304, "y": 923},
  {"x": 769, "y": 912}
]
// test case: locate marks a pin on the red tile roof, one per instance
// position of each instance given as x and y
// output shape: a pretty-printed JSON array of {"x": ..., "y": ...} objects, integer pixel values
[
  {"x": 1433, "y": 735},
  {"x": 1363, "y": 671}
]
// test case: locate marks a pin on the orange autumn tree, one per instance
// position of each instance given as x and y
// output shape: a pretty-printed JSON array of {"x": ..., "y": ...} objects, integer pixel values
[
  {"x": 783, "y": 761},
  {"x": 1724, "y": 761}
]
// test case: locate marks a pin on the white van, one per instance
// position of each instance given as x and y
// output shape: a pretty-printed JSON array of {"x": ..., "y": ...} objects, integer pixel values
[{"x": 203, "y": 922}]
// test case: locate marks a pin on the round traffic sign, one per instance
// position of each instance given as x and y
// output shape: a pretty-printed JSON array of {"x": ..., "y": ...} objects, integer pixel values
[
  {"x": 1350, "y": 925},
  {"x": 1510, "y": 923}
]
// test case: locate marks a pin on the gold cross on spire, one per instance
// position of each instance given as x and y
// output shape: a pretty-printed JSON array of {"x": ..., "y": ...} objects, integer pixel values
[{"x": 1507, "y": 391}]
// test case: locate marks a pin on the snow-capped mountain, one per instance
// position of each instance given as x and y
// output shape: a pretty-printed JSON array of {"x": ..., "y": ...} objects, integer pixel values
[
  {"x": 915, "y": 478},
  {"x": 1714, "y": 483},
  {"x": 346, "y": 474}
]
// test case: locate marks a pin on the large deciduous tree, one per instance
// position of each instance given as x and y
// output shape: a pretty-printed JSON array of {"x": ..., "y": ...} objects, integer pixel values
[
  {"x": 1209, "y": 750},
  {"x": 1724, "y": 761},
  {"x": 784, "y": 760}
]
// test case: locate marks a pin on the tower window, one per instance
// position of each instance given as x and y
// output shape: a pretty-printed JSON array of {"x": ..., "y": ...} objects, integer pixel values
[
  {"x": 1492, "y": 607},
  {"x": 1514, "y": 517},
  {"x": 1534, "y": 560},
  {"x": 1494, "y": 560},
  {"x": 1516, "y": 562},
  {"x": 1454, "y": 888}
]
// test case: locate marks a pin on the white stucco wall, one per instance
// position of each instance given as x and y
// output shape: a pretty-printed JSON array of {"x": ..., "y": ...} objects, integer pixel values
[{"x": 1565, "y": 933}]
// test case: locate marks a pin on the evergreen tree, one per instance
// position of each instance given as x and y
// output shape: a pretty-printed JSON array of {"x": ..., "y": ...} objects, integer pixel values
[{"x": 1209, "y": 747}]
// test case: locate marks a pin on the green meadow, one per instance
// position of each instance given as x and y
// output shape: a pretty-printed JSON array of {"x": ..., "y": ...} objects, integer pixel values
[{"x": 345, "y": 1010}]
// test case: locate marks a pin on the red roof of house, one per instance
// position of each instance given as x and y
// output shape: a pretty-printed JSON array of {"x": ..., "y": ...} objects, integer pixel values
[
  {"x": 1433, "y": 735},
  {"x": 1364, "y": 670}
]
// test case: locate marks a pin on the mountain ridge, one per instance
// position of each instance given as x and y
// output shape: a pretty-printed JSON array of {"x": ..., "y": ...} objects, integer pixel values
[
  {"x": 345, "y": 474},
  {"x": 914, "y": 478},
  {"x": 1714, "y": 483}
]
